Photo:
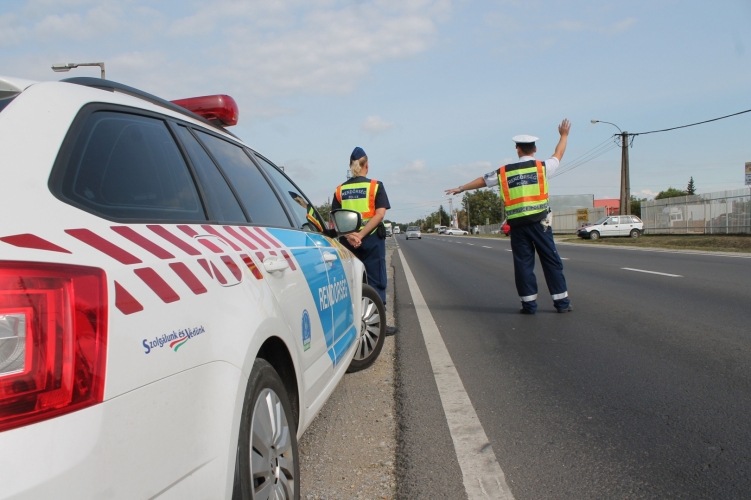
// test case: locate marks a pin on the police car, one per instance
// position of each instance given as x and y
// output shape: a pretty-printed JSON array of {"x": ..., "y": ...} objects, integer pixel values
[{"x": 172, "y": 313}]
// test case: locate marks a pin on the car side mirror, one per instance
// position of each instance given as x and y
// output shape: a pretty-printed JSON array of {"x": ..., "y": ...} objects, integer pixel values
[{"x": 346, "y": 221}]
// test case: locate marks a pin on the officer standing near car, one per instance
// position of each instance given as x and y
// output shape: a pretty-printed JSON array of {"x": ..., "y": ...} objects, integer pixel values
[
  {"x": 369, "y": 198},
  {"x": 524, "y": 189}
]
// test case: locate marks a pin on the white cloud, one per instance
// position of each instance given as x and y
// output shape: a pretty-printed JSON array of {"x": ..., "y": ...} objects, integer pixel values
[
  {"x": 375, "y": 125},
  {"x": 10, "y": 32},
  {"x": 645, "y": 193}
]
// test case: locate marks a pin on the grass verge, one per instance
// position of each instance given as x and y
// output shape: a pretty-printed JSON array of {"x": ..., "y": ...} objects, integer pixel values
[{"x": 705, "y": 242}]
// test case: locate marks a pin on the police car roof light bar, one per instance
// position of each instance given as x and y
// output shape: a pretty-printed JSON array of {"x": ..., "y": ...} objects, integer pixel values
[{"x": 221, "y": 108}]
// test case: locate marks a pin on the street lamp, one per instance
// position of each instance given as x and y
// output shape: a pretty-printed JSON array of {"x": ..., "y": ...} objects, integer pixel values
[
  {"x": 625, "y": 177},
  {"x": 64, "y": 67}
]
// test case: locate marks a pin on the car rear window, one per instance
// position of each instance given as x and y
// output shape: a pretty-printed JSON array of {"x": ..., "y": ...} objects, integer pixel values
[
  {"x": 255, "y": 193},
  {"x": 127, "y": 166}
]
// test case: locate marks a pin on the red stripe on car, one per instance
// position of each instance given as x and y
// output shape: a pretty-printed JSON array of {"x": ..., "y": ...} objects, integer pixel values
[
  {"x": 187, "y": 230},
  {"x": 233, "y": 267},
  {"x": 210, "y": 245},
  {"x": 143, "y": 242},
  {"x": 157, "y": 283},
  {"x": 255, "y": 238},
  {"x": 240, "y": 238},
  {"x": 212, "y": 230},
  {"x": 104, "y": 246},
  {"x": 188, "y": 277},
  {"x": 289, "y": 260},
  {"x": 219, "y": 276},
  {"x": 32, "y": 241},
  {"x": 125, "y": 301},
  {"x": 260, "y": 256},
  {"x": 205, "y": 265},
  {"x": 252, "y": 266},
  {"x": 161, "y": 231}
]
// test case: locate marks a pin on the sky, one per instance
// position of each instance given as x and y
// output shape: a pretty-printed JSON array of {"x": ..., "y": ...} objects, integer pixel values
[{"x": 433, "y": 90}]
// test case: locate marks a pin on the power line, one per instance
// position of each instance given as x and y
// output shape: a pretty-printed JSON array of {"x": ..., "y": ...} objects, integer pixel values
[{"x": 692, "y": 124}]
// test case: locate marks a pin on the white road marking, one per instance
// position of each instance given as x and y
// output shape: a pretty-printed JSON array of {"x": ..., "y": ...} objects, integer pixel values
[
  {"x": 564, "y": 258},
  {"x": 471, "y": 244},
  {"x": 487, "y": 247},
  {"x": 509, "y": 250},
  {"x": 652, "y": 272},
  {"x": 483, "y": 477}
]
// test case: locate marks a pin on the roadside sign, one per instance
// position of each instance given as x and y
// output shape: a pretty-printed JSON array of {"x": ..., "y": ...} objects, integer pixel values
[
  {"x": 748, "y": 173},
  {"x": 582, "y": 215}
]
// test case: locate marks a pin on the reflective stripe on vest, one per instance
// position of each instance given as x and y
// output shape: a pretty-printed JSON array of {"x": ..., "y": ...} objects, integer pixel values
[
  {"x": 360, "y": 197},
  {"x": 311, "y": 216},
  {"x": 524, "y": 188}
]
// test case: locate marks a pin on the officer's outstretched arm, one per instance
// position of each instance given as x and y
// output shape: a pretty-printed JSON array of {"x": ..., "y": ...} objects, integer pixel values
[
  {"x": 475, "y": 184},
  {"x": 563, "y": 129}
]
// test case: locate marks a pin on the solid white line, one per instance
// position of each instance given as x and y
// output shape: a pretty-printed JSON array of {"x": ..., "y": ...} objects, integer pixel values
[
  {"x": 487, "y": 247},
  {"x": 509, "y": 250},
  {"x": 483, "y": 477},
  {"x": 652, "y": 272},
  {"x": 738, "y": 255},
  {"x": 564, "y": 258}
]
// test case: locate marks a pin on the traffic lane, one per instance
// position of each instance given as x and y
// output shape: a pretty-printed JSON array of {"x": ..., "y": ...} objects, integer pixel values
[
  {"x": 597, "y": 403},
  {"x": 426, "y": 464}
]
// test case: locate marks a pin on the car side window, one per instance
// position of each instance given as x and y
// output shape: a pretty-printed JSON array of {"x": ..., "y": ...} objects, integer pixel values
[
  {"x": 127, "y": 166},
  {"x": 613, "y": 220},
  {"x": 220, "y": 201},
  {"x": 254, "y": 191},
  {"x": 308, "y": 218}
]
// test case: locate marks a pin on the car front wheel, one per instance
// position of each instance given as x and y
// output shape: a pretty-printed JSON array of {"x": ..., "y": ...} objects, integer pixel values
[
  {"x": 635, "y": 233},
  {"x": 268, "y": 464},
  {"x": 594, "y": 235},
  {"x": 372, "y": 330}
]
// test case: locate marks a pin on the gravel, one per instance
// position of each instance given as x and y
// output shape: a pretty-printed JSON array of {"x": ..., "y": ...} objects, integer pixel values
[{"x": 349, "y": 450}]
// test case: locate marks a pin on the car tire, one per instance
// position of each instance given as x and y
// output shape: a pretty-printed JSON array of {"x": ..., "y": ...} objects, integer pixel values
[
  {"x": 634, "y": 233},
  {"x": 372, "y": 330},
  {"x": 594, "y": 235},
  {"x": 266, "y": 407}
]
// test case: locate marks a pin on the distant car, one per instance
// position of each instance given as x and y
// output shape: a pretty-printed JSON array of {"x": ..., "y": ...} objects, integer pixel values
[
  {"x": 442, "y": 230},
  {"x": 455, "y": 231},
  {"x": 505, "y": 227},
  {"x": 397, "y": 230},
  {"x": 413, "y": 232},
  {"x": 613, "y": 225}
]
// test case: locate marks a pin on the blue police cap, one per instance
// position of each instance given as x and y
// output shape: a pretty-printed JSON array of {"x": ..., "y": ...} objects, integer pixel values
[{"x": 357, "y": 153}]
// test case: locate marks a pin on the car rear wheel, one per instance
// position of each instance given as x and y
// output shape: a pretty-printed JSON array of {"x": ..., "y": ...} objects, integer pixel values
[
  {"x": 268, "y": 464},
  {"x": 372, "y": 330},
  {"x": 594, "y": 235},
  {"x": 634, "y": 233}
]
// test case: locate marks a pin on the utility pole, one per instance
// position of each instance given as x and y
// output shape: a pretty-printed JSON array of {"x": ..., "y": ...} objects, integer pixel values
[
  {"x": 625, "y": 177},
  {"x": 451, "y": 212}
]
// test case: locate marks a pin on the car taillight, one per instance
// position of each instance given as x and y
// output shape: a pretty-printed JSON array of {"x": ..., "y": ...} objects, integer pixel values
[{"x": 53, "y": 340}]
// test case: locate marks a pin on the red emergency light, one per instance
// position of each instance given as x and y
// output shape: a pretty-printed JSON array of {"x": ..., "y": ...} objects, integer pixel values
[{"x": 220, "y": 108}]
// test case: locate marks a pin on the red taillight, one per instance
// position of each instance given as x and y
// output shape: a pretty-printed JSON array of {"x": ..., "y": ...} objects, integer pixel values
[
  {"x": 53, "y": 340},
  {"x": 220, "y": 108}
]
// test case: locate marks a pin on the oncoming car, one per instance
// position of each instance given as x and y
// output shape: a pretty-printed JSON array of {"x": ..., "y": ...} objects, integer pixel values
[
  {"x": 454, "y": 231},
  {"x": 613, "y": 225},
  {"x": 172, "y": 313},
  {"x": 413, "y": 232}
]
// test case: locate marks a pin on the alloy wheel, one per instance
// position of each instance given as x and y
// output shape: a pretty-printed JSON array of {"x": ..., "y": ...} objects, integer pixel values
[
  {"x": 271, "y": 457},
  {"x": 370, "y": 329}
]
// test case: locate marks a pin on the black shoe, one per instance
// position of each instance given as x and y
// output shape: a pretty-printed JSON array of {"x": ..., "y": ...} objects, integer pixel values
[
  {"x": 566, "y": 310},
  {"x": 391, "y": 330},
  {"x": 524, "y": 311}
]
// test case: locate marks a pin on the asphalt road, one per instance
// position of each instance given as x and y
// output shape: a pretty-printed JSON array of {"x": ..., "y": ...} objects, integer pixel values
[{"x": 644, "y": 391}]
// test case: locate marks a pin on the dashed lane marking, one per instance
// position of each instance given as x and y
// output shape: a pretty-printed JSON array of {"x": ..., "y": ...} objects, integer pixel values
[
  {"x": 652, "y": 272},
  {"x": 564, "y": 258},
  {"x": 487, "y": 247},
  {"x": 482, "y": 475}
]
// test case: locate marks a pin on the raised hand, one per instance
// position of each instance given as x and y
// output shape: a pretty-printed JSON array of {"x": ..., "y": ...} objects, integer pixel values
[{"x": 564, "y": 127}]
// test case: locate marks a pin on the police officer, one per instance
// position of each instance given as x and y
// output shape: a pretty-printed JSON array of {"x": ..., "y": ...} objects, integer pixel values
[
  {"x": 524, "y": 188},
  {"x": 370, "y": 199}
]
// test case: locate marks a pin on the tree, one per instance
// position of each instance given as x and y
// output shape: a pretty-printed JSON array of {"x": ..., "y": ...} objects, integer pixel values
[
  {"x": 484, "y": 204},
  {"x": 325, "y": 211},
  {"x": 636, "y": 205},
  {"x": 691, "y": 188},
  {"x": 670, "y": 192}
]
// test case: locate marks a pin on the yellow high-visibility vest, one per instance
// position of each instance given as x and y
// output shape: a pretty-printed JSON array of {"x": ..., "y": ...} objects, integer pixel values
[
  {"x": 360, "y": 197},
  {"x": 524, "y": 188}
]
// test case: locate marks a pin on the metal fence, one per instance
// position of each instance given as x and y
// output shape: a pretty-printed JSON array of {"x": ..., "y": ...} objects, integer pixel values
[
  {"x": 722, "y": 212},
  {"x": 565, "y": 221}
]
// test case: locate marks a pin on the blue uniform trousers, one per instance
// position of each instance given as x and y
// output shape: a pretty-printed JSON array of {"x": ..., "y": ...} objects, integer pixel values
[
  {"x": 372, "y": 253},
  {"x": 524, "y": 241}
]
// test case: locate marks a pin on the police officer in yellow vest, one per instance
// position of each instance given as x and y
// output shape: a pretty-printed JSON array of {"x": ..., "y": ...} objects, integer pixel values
[
  {"x": 524, "y": 188},
  {"x": 370, "y": 199}
]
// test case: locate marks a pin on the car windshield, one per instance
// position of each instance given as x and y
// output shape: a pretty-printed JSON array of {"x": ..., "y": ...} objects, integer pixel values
[
  {"x": 601, "y": 220},
  {"x": 412, "y": 228},
  {"x": 5, "y": 101}
]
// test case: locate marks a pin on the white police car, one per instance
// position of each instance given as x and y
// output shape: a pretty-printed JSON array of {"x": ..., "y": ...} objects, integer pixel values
[{"x": 172, "y": 315}]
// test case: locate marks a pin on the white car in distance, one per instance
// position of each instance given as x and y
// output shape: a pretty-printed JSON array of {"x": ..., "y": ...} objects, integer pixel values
[
  {"x": 455, "y": 231},
  {"x": 613, "y": 225},
  {"x": 413, "y": 232},
  {"x": 172, "y": 314}
]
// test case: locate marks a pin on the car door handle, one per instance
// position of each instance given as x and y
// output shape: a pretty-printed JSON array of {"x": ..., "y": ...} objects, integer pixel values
[
  {"x": 275, "y": 264},
  {"x": 329, "y": 257}
]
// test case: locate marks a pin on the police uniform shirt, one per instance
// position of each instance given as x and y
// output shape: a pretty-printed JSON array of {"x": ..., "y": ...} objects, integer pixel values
[
  {"x": 381, "y": 199},
  {"x": 551, "y": 165}
]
